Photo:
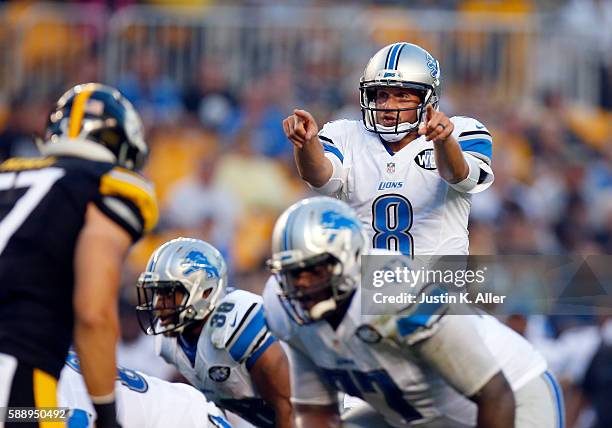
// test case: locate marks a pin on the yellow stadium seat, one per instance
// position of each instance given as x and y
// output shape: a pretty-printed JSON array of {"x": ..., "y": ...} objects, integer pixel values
[
  {"x": 594, "y": 126},
  {"x": 253, "y": 247},
  {"x": 175, "y": 155}
]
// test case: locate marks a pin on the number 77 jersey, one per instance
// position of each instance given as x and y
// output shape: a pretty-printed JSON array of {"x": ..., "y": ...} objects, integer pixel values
[
  {"x": 357, "y": 360},
  {"x": 416, "y": 367},
  {"x": 43, "y": 202},
  {"x": 400, "y": 197}
]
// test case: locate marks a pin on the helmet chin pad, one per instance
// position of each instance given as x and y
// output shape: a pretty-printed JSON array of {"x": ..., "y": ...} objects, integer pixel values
[
  {"x": 322, "y": 308},
  {"x": 393, "y": 138},
  {"x": 393, "y": 134}
]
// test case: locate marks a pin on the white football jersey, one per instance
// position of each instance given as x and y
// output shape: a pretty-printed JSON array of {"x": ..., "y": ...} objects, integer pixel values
[
  {"x": 142, "y": 401},
  {"x": 400, "y": 198},
  {"x": 232, "y": 340},
  {"x": 402, "y": 365}
]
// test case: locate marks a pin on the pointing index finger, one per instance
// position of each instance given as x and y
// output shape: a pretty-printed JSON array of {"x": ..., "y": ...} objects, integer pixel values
[
  {"x": 429, "y": 111},
  {"x": 302, "y": 114}
]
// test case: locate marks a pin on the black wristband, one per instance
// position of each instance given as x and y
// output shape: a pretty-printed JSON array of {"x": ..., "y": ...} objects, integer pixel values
[{"x": 107, "y": 415}]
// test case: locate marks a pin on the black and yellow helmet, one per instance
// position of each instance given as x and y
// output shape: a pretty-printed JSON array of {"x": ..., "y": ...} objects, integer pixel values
[{"x": 95, "y": 121}]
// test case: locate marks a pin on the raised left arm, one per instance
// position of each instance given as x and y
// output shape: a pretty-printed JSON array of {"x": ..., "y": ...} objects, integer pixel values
[{"x": 451, "y": 163}]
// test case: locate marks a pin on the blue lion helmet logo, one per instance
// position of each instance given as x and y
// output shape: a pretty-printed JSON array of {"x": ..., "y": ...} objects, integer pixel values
[
  {"x": 333, "y": 221},
  {"x": 432, "y": 64},
  {"x": 195, "y": 261}
]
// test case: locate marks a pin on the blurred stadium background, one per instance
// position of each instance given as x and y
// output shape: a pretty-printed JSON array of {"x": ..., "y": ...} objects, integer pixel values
[{"x": 213, "y": 80}]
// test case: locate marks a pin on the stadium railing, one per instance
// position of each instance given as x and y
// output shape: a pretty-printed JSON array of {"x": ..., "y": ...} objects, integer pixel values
[{"x": 509, "y": 56}]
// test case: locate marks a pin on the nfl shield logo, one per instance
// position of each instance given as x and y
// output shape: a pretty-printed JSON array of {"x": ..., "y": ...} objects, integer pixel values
[
  {"x": 368, "y": 334},
  {"x": 219, "y": 373},
  {"x": 391, "y": 167}
]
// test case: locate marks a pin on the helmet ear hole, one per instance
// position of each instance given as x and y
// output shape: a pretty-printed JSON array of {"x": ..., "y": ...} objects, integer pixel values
[{"x": 207, "y": 293}]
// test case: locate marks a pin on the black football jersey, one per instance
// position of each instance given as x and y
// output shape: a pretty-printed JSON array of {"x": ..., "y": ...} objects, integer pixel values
[{"x": 42, "y": 211}]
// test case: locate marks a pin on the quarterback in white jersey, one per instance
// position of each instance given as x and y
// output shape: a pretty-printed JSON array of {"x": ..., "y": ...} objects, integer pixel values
[
  {"x": 420, "y": 366},
  {"x": 219, "y": 342},
  {"x": 142, "y": 401},
  {"x": 406, "y": 168}
]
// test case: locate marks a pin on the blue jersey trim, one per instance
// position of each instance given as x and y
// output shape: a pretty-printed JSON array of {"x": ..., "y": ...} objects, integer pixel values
[
  {"x": 250, "y": 332},
  {"x": 250, "y": 362},
  {"x": 219, "y": 421},
  {"x": 332, "y": 149},
  {"x": 189, "y": 349},
  {"x": 420, "y": 317},
  {"x": 477, "y": 145},
  {"x": 387, "y": 148}
]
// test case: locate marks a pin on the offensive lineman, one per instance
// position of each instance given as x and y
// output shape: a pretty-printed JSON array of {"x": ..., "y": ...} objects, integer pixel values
[
  {"x": 218, "y": 341},
  {"x": 142, "y": 401},
  {"x": 407, "y": 169},
  {"x": 421, "y": 366},
  {"x": 66, "y": 223}
]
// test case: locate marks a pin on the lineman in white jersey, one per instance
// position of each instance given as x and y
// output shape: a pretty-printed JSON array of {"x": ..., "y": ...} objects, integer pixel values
[
  {"x": 406, "y": 168},
  {"x": 142, "y": 401},
  {"x": 420, "y": 366},
  {"x": 218, "y": 341}
]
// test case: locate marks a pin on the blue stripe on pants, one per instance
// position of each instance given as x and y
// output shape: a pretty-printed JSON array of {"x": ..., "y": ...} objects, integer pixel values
[{"x": 558, "y": 398}]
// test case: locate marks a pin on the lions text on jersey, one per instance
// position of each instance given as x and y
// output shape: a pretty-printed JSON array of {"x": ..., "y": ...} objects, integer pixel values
[
  {"x": 378, "y": 359},
  {"x": 142, "y": 401},
  {"x": 232, "y": 340},
  {"x": 399, "y": 197}
]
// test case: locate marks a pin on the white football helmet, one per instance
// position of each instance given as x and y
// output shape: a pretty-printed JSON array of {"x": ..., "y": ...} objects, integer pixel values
[
  {"x": 399, "y": 65},
  {"x": 318, "y": 231},
  {"x": 186, "y": 266}
]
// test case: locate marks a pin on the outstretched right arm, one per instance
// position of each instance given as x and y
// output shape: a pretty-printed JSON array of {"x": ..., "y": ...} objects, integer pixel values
[{"x": 301, "y": 129}]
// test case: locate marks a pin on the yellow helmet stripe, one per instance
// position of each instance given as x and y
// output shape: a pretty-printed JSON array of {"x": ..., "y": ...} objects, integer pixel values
[{"x": 77, "y": 112}]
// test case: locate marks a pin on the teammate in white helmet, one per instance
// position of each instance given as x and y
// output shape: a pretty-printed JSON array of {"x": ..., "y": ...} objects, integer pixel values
[
  {"x": 217, "y": 339},
  {"x": 406, "y": 168},
  {"x": 421, "y": 365}
]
